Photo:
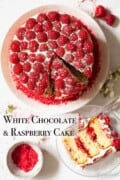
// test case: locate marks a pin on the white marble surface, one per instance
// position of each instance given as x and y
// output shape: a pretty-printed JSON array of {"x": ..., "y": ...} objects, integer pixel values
[{"x": 10, "y": 10}]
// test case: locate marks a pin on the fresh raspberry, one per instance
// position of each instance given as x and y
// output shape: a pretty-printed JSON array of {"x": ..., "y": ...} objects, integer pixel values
[
  {"x": 70, "y": 47},
  {"x": 57, "y": 25},
  {"x": 58, "y": 93},
  {"x": 31, "y": 85},
  {"x": 73, "y": 37},
  {"x": 83, "y": 35},
  {"x": 59, "y": 84},
  {"x": 116, "y": 144},
  {"x": 43, "y": 83},
  {"x": 88, "y": 46},
  {"x": 38, "y": 67},
  {"x": 15, "y": 46},
  {"x": 69, "y": 57},
  {"x": 53, "y": 44},
  {"x": 89, "y": 59},
  {"x": 30, "y": 23},
  {"x": 110, "y": 19},
  {"x": 70, "y": 91},
  {"x": 76, "y": 24},
  {"x": 60, "y": 51},
  {"x": 70, "y": 81},
  {"x": 79, "y": 44},
  {"x": 40, "y": 58},
  {"x": 47, "y": 26},
  {"x": 17, "y": 69},
  {"x": 26, "y": 67},
  {"x": 88, "y": 72},
  {"x": 79, "y": 87},
  {"x": 38, "y": 28},
  {"x": 45, "y": 76},
  {"x": 34, "y": 76},
  {"x": 107, "y": 120},
  {"x": 100, "y": 11},
  {"x": 57, "y": 65},
  {"x": 23, "y": 45},
  {"x": 43, "y": 47},
  {"x": 65, "y": 19},
  {"x": 32, "y": 57},
  {"x": 54, "y": 74},
  {"x": 115, "y": 134},
  {"x": 33, "y": 46},
  {"x": 79, "y": 53},
  {"x": 23, "y": 56},
  {"x": 30, "y": 35},
  {"x": 21, "y": 33},
  {"x": 51, "y": 54},
  {"x": 53, "y": 16},
  {"x": 53, "y": 34},
  {"x": 24, "y": 78},
  {"x": 63, "y": 73},
  {"x": 79, "y": 64},
  {"x": 39, "y": 90},
  {"x": 62, "y": 40},
  {"x": 67, "y": 30},
  {"x": 41, "y": 18},
  {"x": 42, "y": 37},
  {"x": 14, "y": 58}
]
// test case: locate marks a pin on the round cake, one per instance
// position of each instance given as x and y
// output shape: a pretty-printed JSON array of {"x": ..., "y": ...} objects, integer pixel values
[{"x": 52, "y": 57}]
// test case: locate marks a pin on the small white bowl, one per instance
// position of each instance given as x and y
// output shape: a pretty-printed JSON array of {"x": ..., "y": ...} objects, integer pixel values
[{"x": 17, "y": 171}]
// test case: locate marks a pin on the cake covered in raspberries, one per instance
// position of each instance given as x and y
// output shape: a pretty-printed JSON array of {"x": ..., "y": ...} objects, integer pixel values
[
  {"x": 93, "y": 142},
  {"x": 51, "y": 57}
]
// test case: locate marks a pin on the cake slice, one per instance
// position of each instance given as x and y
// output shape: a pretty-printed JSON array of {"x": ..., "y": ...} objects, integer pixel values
[{"x": 92, "y": 143}]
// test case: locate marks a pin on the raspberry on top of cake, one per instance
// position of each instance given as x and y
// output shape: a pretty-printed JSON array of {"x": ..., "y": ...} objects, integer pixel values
[
  {"x": 92, "y": 143},
  {"x": 51, "y": 56}
]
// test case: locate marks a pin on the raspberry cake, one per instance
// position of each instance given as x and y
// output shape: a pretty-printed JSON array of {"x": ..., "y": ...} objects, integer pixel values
[
  {"x": 92, "y": 143},
  {"x": 52, "y": 57}
]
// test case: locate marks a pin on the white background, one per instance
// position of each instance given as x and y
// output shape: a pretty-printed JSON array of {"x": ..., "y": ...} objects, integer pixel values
[{"x": 10, "y": 10}]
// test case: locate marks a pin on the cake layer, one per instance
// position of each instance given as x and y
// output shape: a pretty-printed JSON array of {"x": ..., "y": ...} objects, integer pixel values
[
  {"x": 91, "y": 145},
  {"x": 102, "y": 139},
  {"x": 76, "y": 154}
]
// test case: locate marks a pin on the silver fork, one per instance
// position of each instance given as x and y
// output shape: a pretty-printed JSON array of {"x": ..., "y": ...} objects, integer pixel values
[{"x": 106, "y": 108}]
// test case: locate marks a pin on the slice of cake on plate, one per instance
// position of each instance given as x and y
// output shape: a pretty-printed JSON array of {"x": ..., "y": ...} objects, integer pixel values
[{"x": 92, "y": 143}]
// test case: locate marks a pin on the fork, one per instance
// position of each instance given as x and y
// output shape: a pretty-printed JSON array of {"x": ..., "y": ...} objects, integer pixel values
[{"x": 106, "y": 108}]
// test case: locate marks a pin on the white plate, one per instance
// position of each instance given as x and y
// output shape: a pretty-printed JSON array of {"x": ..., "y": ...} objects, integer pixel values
[
  {"x": 105, "y": 166},
  {"x": 70, "y": 106}
]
